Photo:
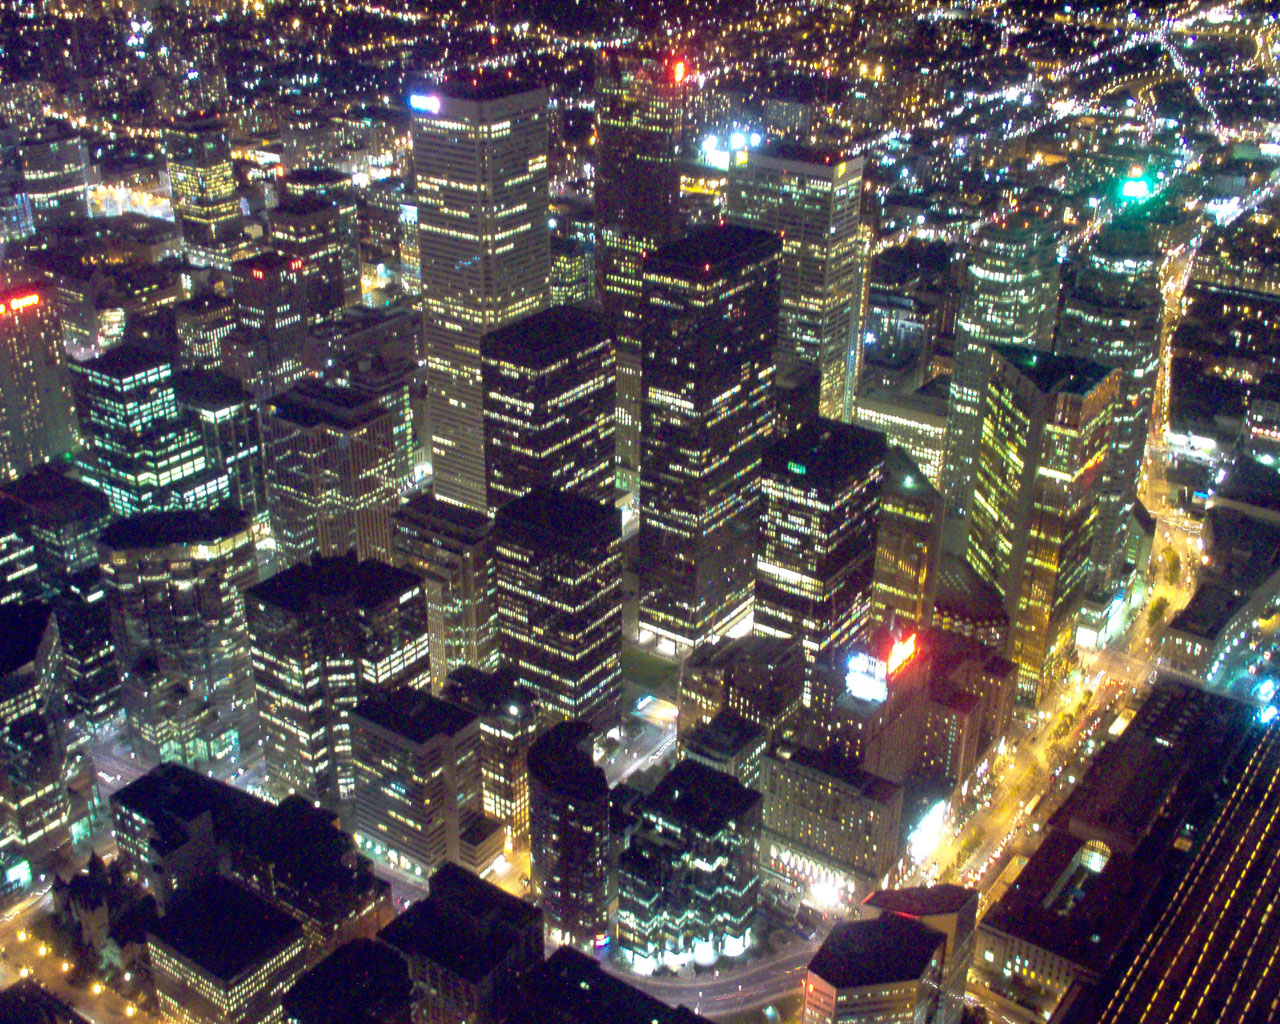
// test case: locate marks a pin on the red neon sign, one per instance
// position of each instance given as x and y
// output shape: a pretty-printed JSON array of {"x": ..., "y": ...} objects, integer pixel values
[
  {"x": 678, "y": 72},
  {"x": 902, "y": 652}
]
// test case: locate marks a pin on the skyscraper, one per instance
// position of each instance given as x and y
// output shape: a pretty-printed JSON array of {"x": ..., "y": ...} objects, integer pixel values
[
  {"x": 908, "y": 543},
  {"x": 55, "y": 166},
  {"x": 558, "y": 564},
  {"x": 203, "y": 191},
  {"x": 1045, "y": 435},
  {"x": 1009, "y": 297},
  {"x": 309, "y": 228},
  {"x": 37, "y": 411},
  {"x": 710, "y": 326},
  {"x": 480, "y": 154},
  {"x": 816, "y": 556},
  {"x": 331, "y": 484},
  {"x": 549, "y": 406},
  {"x": 1112, "y": 314},
  {"x": 569, "y": 837},
  {"x": 175, "y": 586},
  {"x": 201, "y": 323},
  {"x": 226, "y": 417},
  {"x": 141, "y": 451},
  {"x": 812, "y": 199},
  {"x": 270, "y": 292},
  {"x": 642, "y": 112},
  {"x": 323, "y": 634},
  {"x": 334, "y": 187}
]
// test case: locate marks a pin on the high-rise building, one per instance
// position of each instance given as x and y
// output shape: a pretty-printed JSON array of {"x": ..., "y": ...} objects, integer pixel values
[
  {"x": 323, "y": 634},
  {"x": 1045, "y": 436},
  {"x": 331, "y": 481},
  {"x": 224, "y": 955},
  {"x": 812, "y": 199},
  {"x": 227, "y": 418},
  {"x": 817, "y": 551},
  {"x": 689, "y": 880},
  {"x": 915, "y": 421},
  {"x": 202, "y": 188},
  {"x": 365, "y": 981},
  {"x": 466, "y": 944},
  {"x": 1010, "y": 297},
  {"x": 450, "y": 548},
  {"x": 908, "y": 543},
  {"x": 55, "y": 174},
  {"x": 141, "y": 451},
  {"x": 34, "y": 808},
  {"x": 417, "y": 780},
  {"x": 19, "y": 568},
  {"x": 710, "y": 325},
  {"x": 37, "y": 411},
  {"x": 643, "y": 108},
  {"x": 890, "y": 968},
  {"x": 309, "y": 228},
  {"x": 569, "y": 837},
  {"x": 1112, "y": 314},
  {"x": 759, "y": 678},
  {"x": 335, "y": 187},
  {"x": 175, "y": 585},
  {"x": 480, "y": 155},
  {"x": 558, "y": 564},
  {"x": 271, "y": 297},
  {"x": 201, "y": 323},
  {"x": 508, "y": 727},
  {"x": 549, "y": 406}
]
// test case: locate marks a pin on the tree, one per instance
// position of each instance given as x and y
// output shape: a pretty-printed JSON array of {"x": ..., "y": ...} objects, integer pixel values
[
  {"x": 1155, "y": 614},
  {"x": 1173, "y": 567}
]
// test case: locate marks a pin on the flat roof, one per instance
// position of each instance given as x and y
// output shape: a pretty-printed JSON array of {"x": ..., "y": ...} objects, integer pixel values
[
  {"x": 176, "y": 526},
  {"x": 484, "y": 86},
  {"x": 837, "y": 766},
  {"x": 413, "y": 714},
  {"x": 125, "y": 360},
  {"x": 826, "y": 453},
  {"x": 571, "y": 986},
  {"x": 1054, "y": 374},
  {"x": 708, "y": 249},
  {"x": 23, "y": 628},
  {"x": 560, "y": 520},
  {"x": 1211, "y": 607},
  {"x": 559, "y": 761},
  {"x": 309, "y": 588},
  {"x": 224, "y": 929},
  {"x": 886, "y": 950},
  {"x": 538, "y": 340},
  {"x": 360, "y": 982},
  {"x": 923, "y": 900},
  {"x": 53, "y": 496},
  {"x": 702, "y": 797},
  {"x": 726, "y": 735}
]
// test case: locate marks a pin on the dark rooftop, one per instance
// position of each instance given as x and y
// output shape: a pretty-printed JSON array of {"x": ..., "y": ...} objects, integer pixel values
[
  {"x": 208, "y": 389},
  {"x": 179, "y": 526},
  {"x": 225, "y": 929},
  {"x": 23, "y": 627},
  {"x": 413, "y": 714},
  {"x": 362, "y": 982},
  {"x": 466, "y": 926},
  {"x": 313, "y": 402},
  {"x": 457, "y": 518},
  {"x": 312, "y": 588},
  {"x": 1054, "y": 374},
  {"x": 28, "y": 1002},
  {"x": 558, "y": 521},
  {"x": 1211, "y": 607},
  {"x": 125, "y": 360},
  {"x": 832, "y": 763},
  {"x": 561, "y": 759},
  {"x": 726, "y": 734},
  {"x": 570, "y": 987},
  {"x": 305, "y": 204},
  {"x": 541, "y": 339},
  {"x": 52, "y": 496},
  {"x": 1250, "y": 485},
  {"x": 963, "y": 593},
  {"x": 702, "y": 797},
  {"x": 923, "y": 901},
  {"x": 883, "y": 951},
  {"x": 709, "y": 248},
  {"x": 905, "y": 479},
  {"x": 484, "y": 87},
  {"x": 826, "y": 454}
]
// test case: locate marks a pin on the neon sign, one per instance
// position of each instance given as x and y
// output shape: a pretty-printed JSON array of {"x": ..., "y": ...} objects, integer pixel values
[
  {"x": 903, "y": 651},
  {"x": 429, "y": 104},
  {"x": 866, "y": 678},
  {"x": 22, "y": 302}
]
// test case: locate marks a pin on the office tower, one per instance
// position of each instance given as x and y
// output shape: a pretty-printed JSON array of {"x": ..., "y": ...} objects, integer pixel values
[
  {"x": 830, "y": 827},
  {"x": 1009, "y": 297},
  {"x": 759, "y": 678},
  {"x": 569, "y": 837},
  {"x": 508, "y": 726},
  {"x": 37, "y": 411},
  {"x": 270, "y": 295},
  {"x": 549, "y": 406},
  {"x": 729, "y": 744},
  {"x": 948, "y": 909},
  {"x": 890, "y": 968},
  {"x": 33, "y": 746},
  {"x": 573, "y": 273},
  {"x": 140, "y": 450},
  {"x": 689, "y": 879},
  {"x": 391, "y": 380},
  {"x": 908, "y": 544},
  {"x": 55, "y": 174},
  {"x": 915, "y": 421},
  {"x": 465, "y": 945},
  {"x": 308, "y": 228},
  {"x": 417, "y": 782},
  {"x": 812, "y": 199},
  {"x": 1112, "y": 314},
  {"x": 450, "y": 548},
  {"x": 334, "y": 187},
  {"x": 202, "y": 188},
  {"x": 364, "y": 982},
  {"x": 323, "y": 634},
  {"x": 223, "y": 955},
  {"x": 19, "y": 568},
  {"x": 226, "y": 417},
  {"x": 201, "y": 323},
  {"x": 710, "y": 324},
  {"x": 558, "y": 566},
  {"x": 480, "y": 155},
  {"x": 817, "y": 552},
  {"x": 331, "y": 481},
  {"x": 175, "y": 585},
  {"x": 570, "y": 987},
  {"x": 1046, "y": 430},
  {"x": 643, "y": 105}
]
